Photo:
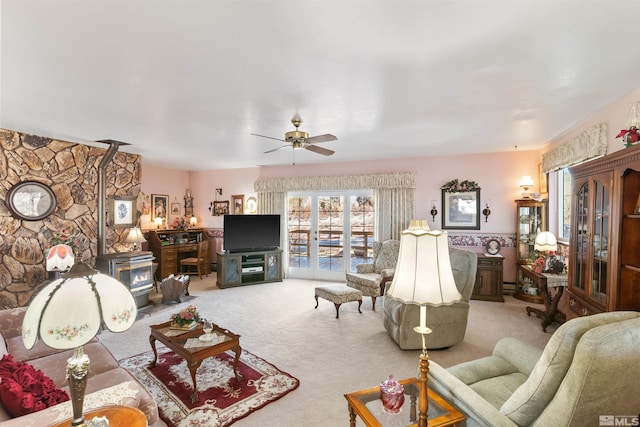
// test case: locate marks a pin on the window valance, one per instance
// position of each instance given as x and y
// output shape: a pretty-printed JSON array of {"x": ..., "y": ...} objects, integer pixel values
[
  {"x": 587, "y": 145},
  {"x": 338, "y": 182}
]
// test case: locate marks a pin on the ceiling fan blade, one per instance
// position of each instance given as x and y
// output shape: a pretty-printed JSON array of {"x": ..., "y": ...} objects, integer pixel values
[
  {"x": 321, "y": 138},
  {"x": 270, "y": 137},
  {"x": 319, "y": 150},
  {"x": 276, "y": 149}
]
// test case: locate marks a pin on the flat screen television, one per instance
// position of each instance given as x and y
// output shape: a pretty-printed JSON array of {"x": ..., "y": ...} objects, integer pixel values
[{"x": 245, "y": 233}]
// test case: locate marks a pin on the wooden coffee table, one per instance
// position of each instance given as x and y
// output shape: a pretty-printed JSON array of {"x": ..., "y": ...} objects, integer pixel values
[
  {"x": 366, "y": 404},
  {"x": 177, "y": 341}
]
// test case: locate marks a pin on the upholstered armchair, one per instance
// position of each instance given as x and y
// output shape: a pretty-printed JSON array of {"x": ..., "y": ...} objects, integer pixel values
[
  {"x": 448, "y": 322},
  {"x": 371, "y": 278},
  {"x": 588, "y": 369}
]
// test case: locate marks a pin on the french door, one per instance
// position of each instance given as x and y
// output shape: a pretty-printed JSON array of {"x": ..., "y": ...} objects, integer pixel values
[{"x": 329, "y": 233}]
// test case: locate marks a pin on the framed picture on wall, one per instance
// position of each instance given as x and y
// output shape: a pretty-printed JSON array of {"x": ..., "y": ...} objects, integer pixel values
[
  {"x": 175, "y": 208},
  {"x": 159, "y": 206},
  {"x": 461, "y": 210},
  {"x": 237, "y": 202},
  {"x": 122, "y": 212},
  {"x": 220, "y": 208}
]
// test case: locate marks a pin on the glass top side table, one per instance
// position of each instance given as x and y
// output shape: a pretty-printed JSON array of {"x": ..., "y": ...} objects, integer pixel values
[{"x": 368, "y": 406}]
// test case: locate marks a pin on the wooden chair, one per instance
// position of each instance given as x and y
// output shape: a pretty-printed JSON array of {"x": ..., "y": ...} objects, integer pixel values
[{"x": 199, "y": 262}]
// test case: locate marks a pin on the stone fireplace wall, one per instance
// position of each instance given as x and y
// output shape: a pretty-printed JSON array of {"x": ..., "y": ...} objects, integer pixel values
[{"x": 71, "y": 170}]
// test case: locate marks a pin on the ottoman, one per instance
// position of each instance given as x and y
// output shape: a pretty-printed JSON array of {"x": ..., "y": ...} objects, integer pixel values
[{"x": 339, "y": 294}]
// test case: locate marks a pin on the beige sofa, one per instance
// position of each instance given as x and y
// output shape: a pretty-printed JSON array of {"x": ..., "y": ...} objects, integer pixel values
[
  {"x": 108, "y": 384},
  {"x": 588, "y": 369},
  {"x": 448, "y": 323}
]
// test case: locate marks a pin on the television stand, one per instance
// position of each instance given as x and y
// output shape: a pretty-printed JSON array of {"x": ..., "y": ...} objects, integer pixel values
[{"x": 249, "y": 268}]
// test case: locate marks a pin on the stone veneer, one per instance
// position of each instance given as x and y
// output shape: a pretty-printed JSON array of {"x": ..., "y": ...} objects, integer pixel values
[{"x": 71, "y": 170}]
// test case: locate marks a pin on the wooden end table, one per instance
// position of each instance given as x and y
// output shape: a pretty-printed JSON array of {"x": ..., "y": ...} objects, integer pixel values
[
  {"x": 178, "y": 340},
  {"x": 551, "y": 313},
  {"x": 118, "y": 416},
  {"x": 367, "y": 404}
]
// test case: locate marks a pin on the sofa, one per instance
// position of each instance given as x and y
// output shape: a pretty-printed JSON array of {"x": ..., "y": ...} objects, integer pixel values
[
  {"x": 371, "y": 279},
  {"x": 108, "y": 384},
  {"x": 588, "y": 369},
  {"x": 448, "y": 322}
]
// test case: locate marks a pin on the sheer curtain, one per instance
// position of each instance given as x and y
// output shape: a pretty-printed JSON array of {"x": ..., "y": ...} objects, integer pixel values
[{"x": 394, "y": 192}]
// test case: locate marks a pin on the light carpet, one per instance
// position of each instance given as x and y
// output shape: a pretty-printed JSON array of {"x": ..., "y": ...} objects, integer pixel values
[
  {"x": 329, "y": 356},
  {"x": 222, "y": 400}
]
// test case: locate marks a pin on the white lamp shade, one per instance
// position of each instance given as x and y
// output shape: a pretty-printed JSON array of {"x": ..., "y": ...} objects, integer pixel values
[
  {"x": 135, "y": 236},
  {"x": 526, "y": 181},
  {"x": 60, "y": 258},
  {"x": 423, "y": 273},
  {"x": 68, "y": 312},
  {"x": 545, "y": 242}
]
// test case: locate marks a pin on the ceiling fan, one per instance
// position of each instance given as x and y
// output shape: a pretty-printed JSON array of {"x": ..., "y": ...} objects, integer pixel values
[{"x": 298, "y": 139}]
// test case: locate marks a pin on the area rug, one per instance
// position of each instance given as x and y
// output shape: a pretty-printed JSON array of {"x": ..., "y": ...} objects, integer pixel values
[{"x": 221, "y": 400}]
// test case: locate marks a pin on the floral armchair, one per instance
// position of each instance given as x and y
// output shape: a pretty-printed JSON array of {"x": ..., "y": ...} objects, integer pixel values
[{"x": 372, "y": 278}]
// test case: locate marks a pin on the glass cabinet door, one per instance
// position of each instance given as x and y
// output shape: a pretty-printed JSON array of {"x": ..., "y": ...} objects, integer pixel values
[
  {"x": 600, "y": 242},
  {"x": 531, "y": 218},
  {"x": 590, "y": 259},
  {"x": 580, "y": 257}
]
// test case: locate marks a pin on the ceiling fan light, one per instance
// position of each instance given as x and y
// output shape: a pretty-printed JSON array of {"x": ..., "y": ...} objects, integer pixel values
[{"x": 295, "y": 135}]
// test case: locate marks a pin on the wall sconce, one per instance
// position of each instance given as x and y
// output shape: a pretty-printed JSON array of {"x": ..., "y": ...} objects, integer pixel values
[
  {"x": 526, "y": 182},
  {"x": 487, "y": 210},
  {"x": 434, "y": 210}
]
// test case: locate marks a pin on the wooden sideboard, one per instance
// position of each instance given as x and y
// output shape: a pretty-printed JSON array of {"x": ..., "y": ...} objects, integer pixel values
[{"x": 170, "y": 246}]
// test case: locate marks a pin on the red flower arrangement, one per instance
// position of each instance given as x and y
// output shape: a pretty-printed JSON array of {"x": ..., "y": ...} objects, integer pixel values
[{"x": 629, "y": 136}]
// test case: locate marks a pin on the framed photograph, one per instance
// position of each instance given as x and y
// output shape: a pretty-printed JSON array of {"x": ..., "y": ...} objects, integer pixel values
[
  {"x": 252, "y": 205},
  {"x": 220, "y": 208},
  {"x": 493, "y": 247},
  {"x": 122, "y": 212},
  {"x": 159, "y": 206},
  {"x": 461, "y": 211},
  {"x": 175, "y": 208},
  {"x": 238, "y": 204}
]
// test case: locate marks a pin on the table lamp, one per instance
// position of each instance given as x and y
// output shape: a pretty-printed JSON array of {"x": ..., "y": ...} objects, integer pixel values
[
  {"x": 193, "y": 221},
  {"x": 526, "y": 182},
  {"x": 423, "y": 277},
  {"x": 69, "y": 312},
  {"x": 545, "y": 242},
  {"x": 135, "y": 236},
  {"x": 158, "y": 222}
]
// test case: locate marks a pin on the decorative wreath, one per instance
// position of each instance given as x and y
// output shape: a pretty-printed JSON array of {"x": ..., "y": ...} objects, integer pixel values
[{"x": 456, "y": 187}]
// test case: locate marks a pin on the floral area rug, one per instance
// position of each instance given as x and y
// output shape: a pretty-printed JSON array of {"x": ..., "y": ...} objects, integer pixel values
[{"x": 222, "y": 400}]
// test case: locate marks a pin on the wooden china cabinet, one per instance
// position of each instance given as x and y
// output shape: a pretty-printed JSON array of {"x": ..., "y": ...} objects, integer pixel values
[
  {"x": 604, "y": 254},
  {"x": 531, "y": 218}
]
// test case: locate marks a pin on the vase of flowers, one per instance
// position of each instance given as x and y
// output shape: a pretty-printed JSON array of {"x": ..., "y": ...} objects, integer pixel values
[{"x": 186, "y": 319}]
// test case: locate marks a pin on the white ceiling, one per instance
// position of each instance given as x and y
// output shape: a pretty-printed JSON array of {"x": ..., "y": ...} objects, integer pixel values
[{"x": 186, "y": 82}]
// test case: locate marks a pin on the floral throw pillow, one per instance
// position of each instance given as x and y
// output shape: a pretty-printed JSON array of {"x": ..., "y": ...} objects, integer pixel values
[{"x": 24, "y": 389}]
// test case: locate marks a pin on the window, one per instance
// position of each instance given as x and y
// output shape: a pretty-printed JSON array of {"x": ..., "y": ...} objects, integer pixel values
[{"x": 564, "y": 203}]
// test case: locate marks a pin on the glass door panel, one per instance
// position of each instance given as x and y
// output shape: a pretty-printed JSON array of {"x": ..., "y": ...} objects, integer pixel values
[
  {"x": 330, "y": 233},
  {"x": 582, "y": 237},
  {"x": 327, "y": 235},
  {"x": 362, "y": 227},
  {"x": 600, "y": 241}
]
